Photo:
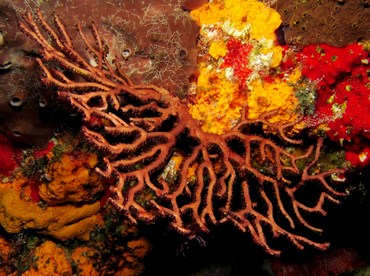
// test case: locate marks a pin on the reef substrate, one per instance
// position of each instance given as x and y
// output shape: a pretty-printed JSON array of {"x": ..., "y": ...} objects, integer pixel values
[{"x": 255, "y": 121}]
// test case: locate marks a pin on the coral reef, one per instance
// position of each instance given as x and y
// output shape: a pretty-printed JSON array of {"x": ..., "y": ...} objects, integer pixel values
[
  {"x": 240, "y": 143},
  {"x": 336, "y": 23},
  {"x": 63, "y": 175},
  {"x": 239, "y": 177},
  {"x": 323, "y": 64},
  {"x": 242, "y": 14},
  {"x": 5, "y": 249},
  {"x": 114, "y": 248},
  {"x": 64, "y": 227},
  {"x": 350, "y": 107}
]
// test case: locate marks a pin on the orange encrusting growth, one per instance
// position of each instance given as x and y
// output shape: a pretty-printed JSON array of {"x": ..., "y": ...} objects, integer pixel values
[{"x": 72, "y": 179}]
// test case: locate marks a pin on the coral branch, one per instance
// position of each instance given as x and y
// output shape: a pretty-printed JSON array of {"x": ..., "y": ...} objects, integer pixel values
[{"x": 165, "y": 165}]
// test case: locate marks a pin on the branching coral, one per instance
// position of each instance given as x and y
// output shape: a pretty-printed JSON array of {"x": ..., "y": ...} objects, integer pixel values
[{"x": 239, "y": 177}]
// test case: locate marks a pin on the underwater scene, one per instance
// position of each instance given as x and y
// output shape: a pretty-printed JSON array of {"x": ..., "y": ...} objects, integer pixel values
[{"x": 184, "y": 137}]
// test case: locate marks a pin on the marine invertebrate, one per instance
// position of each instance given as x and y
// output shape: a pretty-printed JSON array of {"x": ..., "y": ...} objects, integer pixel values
[
  {"x": 28, "y": 115},
  {"x": 5, "y": 250},
  {"x": 239, "y": 177},
  {"x": 153, "y": 40},
  {"x": 349, "y": 108},
  {"x": 276, "y": 95},
  {"x": 236, "y": 53},
  {"x": 82, "y": 258},
  {"x": 324, "y": 64},
  {"x": 72, "y": 179},
  {"x": 115, "y": 246},
  {"x": 218, "y": 102},
  {"x": 50, "y": 259},
  {"x": 337, "y": 23},
  {"x": 25, "y": 116},
  {"x": 61, "y": 222},
  {"x": 8, "y": 156},
  {"x": 244, "y": 14},
  {"x": 342, "y": 81}
]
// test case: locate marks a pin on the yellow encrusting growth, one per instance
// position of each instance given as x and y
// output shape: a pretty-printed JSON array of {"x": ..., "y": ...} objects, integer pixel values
[
  {"x": 217, "y": 49},
  {"x": 265, "y": 97},
  {"x": 276, "y": 55},
  {"x": 218, "y": 104},
  {"x": 261, "y": 20},
  {"x": 221, "y": 90}
]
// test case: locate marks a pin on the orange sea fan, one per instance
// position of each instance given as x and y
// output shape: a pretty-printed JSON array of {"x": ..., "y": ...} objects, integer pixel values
[{"x": 240, "y": 177}]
